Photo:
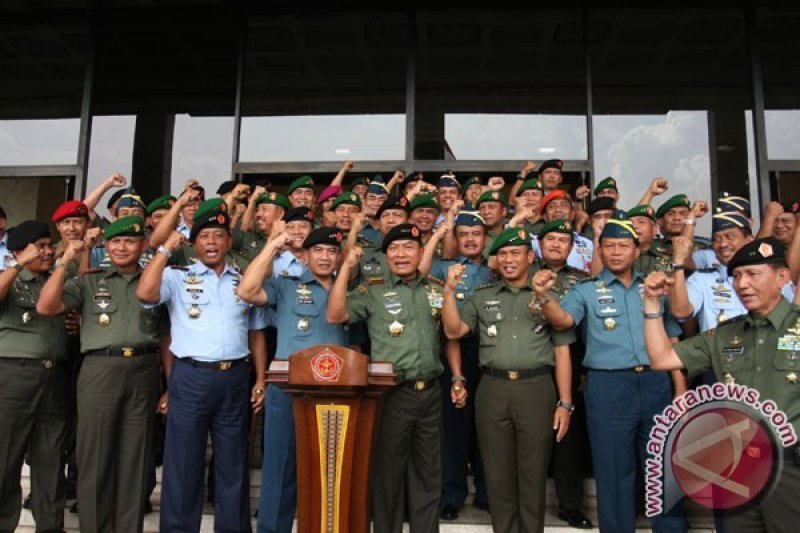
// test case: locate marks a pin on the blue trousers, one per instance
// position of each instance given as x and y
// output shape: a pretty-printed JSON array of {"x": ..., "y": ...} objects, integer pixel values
[
  {"x": 278, "y": 502},
  {"x": 620, "y": 407},
  {"x": 200, "y": 400}
]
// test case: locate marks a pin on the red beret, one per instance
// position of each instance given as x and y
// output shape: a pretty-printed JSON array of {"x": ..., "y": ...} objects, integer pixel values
[
  {"x": 73, "y": 208},
  {"x": 558, "y": 193}
]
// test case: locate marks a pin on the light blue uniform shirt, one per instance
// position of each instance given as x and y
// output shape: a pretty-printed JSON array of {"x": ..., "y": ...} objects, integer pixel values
[
  {"x": 705, "y": 259},
  {"x": 219, "y": 333},
  {"x": 613, "y": 323},
  {"x": 580, "y": 255},
  {"x": 183, "y": 228},
  {"x": 286, "y": 264},
  {"x": 474, "y": 276},
  {"x": 300, "y": 304},
  {"x": 713, "y": 298},
  {"x": 5, "y": 254}
]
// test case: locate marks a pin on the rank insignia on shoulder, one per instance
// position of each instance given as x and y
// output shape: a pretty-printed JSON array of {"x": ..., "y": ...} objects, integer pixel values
[
  {"x": 178, "y": 267},
  {"x": 435, "y": 280},
  {"x": 730, "y": 320},
  {"x": 362, "y": 288},
  {"x": 376, "y": 281},
  {"x": 95, "y": 270}
]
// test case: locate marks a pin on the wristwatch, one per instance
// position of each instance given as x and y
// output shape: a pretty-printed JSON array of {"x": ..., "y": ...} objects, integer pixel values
[
  {"x": 164, "y": 250},
  {"x": 570, "y": 407},
  {"x": 13, "y": 263}
]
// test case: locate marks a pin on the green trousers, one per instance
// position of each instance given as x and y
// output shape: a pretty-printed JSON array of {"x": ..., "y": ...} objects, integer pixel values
[
  {"x": 33, "y": 401},
  {"x": 117, "y": 399}
]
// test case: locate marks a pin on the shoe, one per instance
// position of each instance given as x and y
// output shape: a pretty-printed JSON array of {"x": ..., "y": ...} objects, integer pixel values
[
  {"x": 74, "y": 508},
  {"x": 26, "y": 503},
  {"x": 575, "y": 519},
  {"x": 148, "y": 507},
  {"x": 483, "y": 506},
  {"x": 449, "y": 512}
]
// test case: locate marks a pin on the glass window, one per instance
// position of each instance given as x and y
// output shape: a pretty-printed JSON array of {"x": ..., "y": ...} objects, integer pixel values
[
  {"x": 783, "y": 133},
  {"x": 202, "y": 148},
  {"x": 324, "y": 87},
  {"x": 111, "y": 150},
  {"x": 39, "y": 142}
]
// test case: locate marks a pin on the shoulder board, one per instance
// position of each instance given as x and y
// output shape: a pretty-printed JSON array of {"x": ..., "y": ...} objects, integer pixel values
[
  {"x": 435, "y": 280},
  {"x": 588, "y": 280},
  {"x": 94, "y": 270},
  {"x": 711, "y": 332},
  {"x": 376, "y": 281},
  {"x": 486, "y": 286},
  {"x": 707, "y": 270},
  {"x": 363, "y": 241},
  {"x": 362, "y": 288},
  {"x": 577, "y": 271},
  {"x": 731, "y": 320},
  {"x": 177, "y": 267},
  {"x": 293, "y": 278}
]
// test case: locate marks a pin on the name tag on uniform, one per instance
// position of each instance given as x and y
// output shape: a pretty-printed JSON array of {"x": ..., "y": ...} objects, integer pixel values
[
  {"x": 491, "y": 305},
  {"x": 789, "y": 343}
]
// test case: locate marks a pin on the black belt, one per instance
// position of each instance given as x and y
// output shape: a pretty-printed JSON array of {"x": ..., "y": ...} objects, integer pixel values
[
  {"x": 216, "y": 365},
  {"x": 43, "y": 363},
  {"x": 125, "y": 351},
  {"x": 419, "y": 384},
  {"x": 514, "y": 375},
  {"x": 637, "y": 369}
]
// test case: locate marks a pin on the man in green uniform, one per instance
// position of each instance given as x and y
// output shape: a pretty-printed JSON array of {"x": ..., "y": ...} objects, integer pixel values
[
  {"x": 118, "y": 387},
  {"x": 401, "y": 311},
  {"x": 516, "y": 401},
  {"x": 492, "y": 207},
  {"x": 33, "y": 383},
  {"x": 750, "y": 350},
  {"x": 652, "y": 256}
]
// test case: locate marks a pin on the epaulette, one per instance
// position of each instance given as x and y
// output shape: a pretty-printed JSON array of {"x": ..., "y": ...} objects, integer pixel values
[
  {"x": 578, "y": 271},
  {"x": 178, "y": 267},
  {"x": 731, "y": 320},
  {"x": 362, "y": 288},
  {"x": 485, "y": 286},
  {"x": 707, "y": 270},
  {"x": 376, "y": 281},
  {"x": 435, "y": 280},
  {"x": 588, "y": 280},
  {"x": 95, "y": 270},
  {"x": 364, "y": 242}
]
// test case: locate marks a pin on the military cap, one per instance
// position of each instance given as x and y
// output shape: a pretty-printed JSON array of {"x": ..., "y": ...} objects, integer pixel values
[
  {"x": 377, "y": 187},
  {"x": 510, "y": 237},
  {"x": 116, "y": 195},
  {"x": 767, "y": 251},
  {"x": 554, "y": 195},
  {"x": 262, "y": 182},
  {"x": 528, "y": 185},
  {"x": 363, "y": 180},
  {"x": 401, "y": 232},
  {"x": 607, "y": 183},
  {"x": 643, "y": 210},
  {"x": 728, "y": 202},
  {"x": 274, "y": 198},
  {"x": 393, "y": 202},
  {"x": 601, "y": 203},
  {"x": 557, "y": 226},
  {"x": 616, "y": 228},
  {"x": 331, "y": 191},
  {"x": 130, "y": 226},
  {"x": 348, "y": 198},
  {"x": 213, "y": 203},
  {"x": 210, "y": 218},
  {"x": 72, "y": 208},
  {"x": 303, "y": 182},
  {"x": 729, "y": 219},
  {"x": 324, "y": 235},
  {"x": 296, "y": 214},
  {"x": 469, "y": 218},
  {"x": 448, "y": 180},
  {"x": 25, "y": 233},
  {"x": 162, "y": 202},
  {"x": 423, "y": 200},
  {"x": 131, "y": 200},
  {"x": 226, "y": 186},
  {"x": 413, "y": 176},
  {"x": 550, "y": 163},
  {"x": 474, "y": 180},
  {"x": 790, "y": 207},
  {"x": 679, "y": 200},
  {"x": 490, "y": 196}
]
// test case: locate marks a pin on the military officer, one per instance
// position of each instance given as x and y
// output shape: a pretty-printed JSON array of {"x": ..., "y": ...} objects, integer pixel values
[
  {"x": 621, "y": 393},
  {"x": 470, "y": 191},
  {"x": 517, "y": 405},
  {"x": 555, "y": 240},
  {"x": 607, "y": 187},
  {"x": 118, "y": 387},
  {"x": 300, "y": 304},
  {"x": 756, "y": 350},
  {"x": 269, "y": 207},
  {"x": 529, "y": 199},
  {"x": 652, "y": 256},
  {"x": 550, "y": 175},
  {"x": 558, "y": 205},
  {"x": 377, "y": 193},
  {"x": 677, "y": 216},
  {"x": 402, "y": 313},
  {"x": 393, "y": 212},
  {"x": 599, "y": 210},
  {"x": 460, "y": 439},
  {"x": 180, "y": 215},
  {"x": 33, "y": 383},
  {"x": 5, "y": 254},
  {"x": 492, "y": 207},
  {"x": 301, "y": 192},
  {"x": 422, "y": 212},
  {"x": 344, "y": 207},
  {"x": 209, "y": 382},
  {"x": 448, "y": 192}
]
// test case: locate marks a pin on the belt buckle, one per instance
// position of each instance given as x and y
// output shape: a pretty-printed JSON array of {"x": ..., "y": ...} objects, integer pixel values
[
  {"x": 419, "y": 385},
  {"x": 638, "y": 368},
  {"x": 225, "y": 365},
  {"x": 513, "y": 375},
  {"x": 127, "y": 351},
  {"x": 48, "y": 363}
]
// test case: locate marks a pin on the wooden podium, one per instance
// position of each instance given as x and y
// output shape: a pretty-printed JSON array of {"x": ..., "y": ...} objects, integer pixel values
[{"x": 336, "y": 401}]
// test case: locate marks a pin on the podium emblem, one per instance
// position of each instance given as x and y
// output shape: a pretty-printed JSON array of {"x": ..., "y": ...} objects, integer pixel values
[{"x": 326, "y": 366}]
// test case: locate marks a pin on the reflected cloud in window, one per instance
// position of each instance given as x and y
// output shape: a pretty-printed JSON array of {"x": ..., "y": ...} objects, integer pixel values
[
  {"x": 111, "y": 151},
  {"x": 202, "y": 149},
  {"x": 39, "y": 142}
]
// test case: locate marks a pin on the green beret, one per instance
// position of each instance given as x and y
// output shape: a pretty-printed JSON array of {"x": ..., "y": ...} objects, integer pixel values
[
  {"x": 274, "y": 198},
  {"x": 608, "y": 183},
  {"x": 531, "y": 184},
  {"x": 303, "y": 182},
  {"x": 423, "y": 200},
  {"x": 490, "y": 196},
  {"x": 131, "y": 226},
  {"x": 162, "y": 202},
  {"x": 213, "y": 203},
  {"x": 557, "y": 226},
  {"x": 363, "y": 180},
  {"x": 348, "y": 198},
  {"x": 759, "y": 252},
  {"x": 643, "y": 210},
  {"x": 510, "y": 237},
  {"x": 474, "y": 180},
  {"x": 679, "y": 200}
]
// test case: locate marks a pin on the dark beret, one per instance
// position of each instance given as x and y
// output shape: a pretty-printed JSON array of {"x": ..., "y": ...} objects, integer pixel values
[
  {"x": 25, "y": 233},
  {"x": 601, "y": 203},
  {"x": 401, "y": 232},
  {"x": 767, "y": 251},
  {"x": 302, "y": 214},
  {"x": 210, "y": 218},
  {"x": 324, "y": 235},
  {"x": 393, "y": 202}
]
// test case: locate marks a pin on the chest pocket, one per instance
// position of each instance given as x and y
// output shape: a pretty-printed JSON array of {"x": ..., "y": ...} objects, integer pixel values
[
  {"x": 787, "y": 361},
  {"x": 194, "y": 297},
  {"x": 395, "y": 308},
  {"x": 24, "y": 298},
  {"x": 148, "y": 320},
  {"x": 609, "y": 316},
  {"x": 734, "y": 359},
  {"x": 97, "y": 307}
]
